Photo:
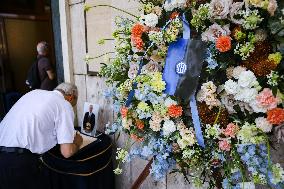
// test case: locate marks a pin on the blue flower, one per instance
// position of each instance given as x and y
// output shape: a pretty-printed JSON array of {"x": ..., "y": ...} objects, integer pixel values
[
  {"x": 212, "y": 63},
  {"x": 226, "y": 184},
  {"x": 245, "y": 157},
  {"x": 146, "y": 151},
  {"x": 116, "y": 106},
  {"x": 251, "y": 149}
]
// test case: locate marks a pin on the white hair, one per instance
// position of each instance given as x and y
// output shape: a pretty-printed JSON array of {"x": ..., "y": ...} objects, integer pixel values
[
  {"x": 42, "y": 47},
  {"x": 67, "y": 89}
]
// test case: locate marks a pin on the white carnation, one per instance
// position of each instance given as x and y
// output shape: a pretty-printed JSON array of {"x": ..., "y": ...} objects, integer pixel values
[
  {"x": 235, "y": 11},
  {"x": 211, "y": 100},
  {"x": 219, "y": 9},
  {"x": 169, "y": 102},
  {"x": 151, "y": 20},
  {"x": 231, "y": 87},
  {"x": 208, "y": 87},
  {"x": 171, "y": 5},
  {"x": 229, "y": 102},
  {"x": 263, "y": 124},
  {"x": 126, "y": 123},
  {"x": 169, "y": 127},
  {"x": 214, "y": 31},
  {"x": 200, "y": 96},
  {"x": 237, "y": 71},
  {"x": 247, "y": 79},
  {"x": 257, "y": 108},
  {"x": 133, "y": 71},
  {"x": 246, "y": 94}
]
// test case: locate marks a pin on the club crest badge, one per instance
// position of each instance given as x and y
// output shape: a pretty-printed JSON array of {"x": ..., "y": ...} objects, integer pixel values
[{"x": 181, "y": 68}]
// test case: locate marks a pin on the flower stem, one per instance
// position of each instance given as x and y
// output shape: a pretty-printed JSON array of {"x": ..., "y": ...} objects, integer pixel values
[
  {"x": 91, "y": 58},
  {"x": 218, "y": 115},
  {"x": 110, "y": 6}
]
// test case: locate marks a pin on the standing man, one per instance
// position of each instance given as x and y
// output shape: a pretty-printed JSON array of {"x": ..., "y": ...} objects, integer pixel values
[
  {"x": 35, "y": 124},
  {"x": 45, "y": 68},
  {"x": 89, "y": 120}
]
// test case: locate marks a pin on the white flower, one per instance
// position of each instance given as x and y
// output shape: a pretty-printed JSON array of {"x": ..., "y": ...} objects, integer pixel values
[
  {"x": 263, "y": 124},
  {"x": 247, "y": 79},
  {"x": 157, "y": 10},
  {"x": 169, "y": 127},
  {"x": 235, "y": 10},
  {"x": 237, "y": 71},
  {"x": 219, "y": 9},
  {"x": 278, "y": 174},
  {"x": 260, "y": 35},
  {"x": 117, "y": 171},
  {"x": 171, "y": 5},
  {"x": 231, "y": 87},
  {"x": 200, "y": 97},
  {"x": 246, "y": 94},
  {"x": 229, "y": 72},
  {"x": 212, "y": 131},
  {"x": 187, "y": 137},
  {"x": 256, "y": 3},
  {"x": 208, "y": 87},
  {"x": 122, "y": 155},
  {"x": 151, "y": 67},
  {"x": 126, "y": 123},
  {"x": 183, "y": 143},
  {"x": 229, "y": 102},
  {"x": 155, "y": 122},
  {"x": 150, "y": 20},
  {"x": 169, "y": 102},
  {"x": 272, "y": 6},
  {"x": 256, "y": 107},
  {"x": 133, "y": 71},
  {"x": 214, "y": 31},
  {"x": 247, "y": 133},
  {"x": 211, "y": 100}
]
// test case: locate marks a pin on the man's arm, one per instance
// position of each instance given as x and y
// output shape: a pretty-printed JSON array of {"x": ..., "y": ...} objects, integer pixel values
[
  {"x": 68, "y": 150},
  {"x": 50, "y": 74}
]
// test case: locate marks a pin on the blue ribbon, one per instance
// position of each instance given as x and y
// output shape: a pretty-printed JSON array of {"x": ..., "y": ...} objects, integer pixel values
[
  {"x": 196, "y": 121},
  {"x": 176, "y": 53}
]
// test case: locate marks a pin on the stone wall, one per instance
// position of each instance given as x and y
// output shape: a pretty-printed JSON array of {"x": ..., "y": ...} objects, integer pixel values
[{"x": 100, "y": 25}]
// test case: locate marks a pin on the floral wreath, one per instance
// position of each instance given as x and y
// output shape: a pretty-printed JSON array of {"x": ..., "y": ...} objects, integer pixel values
[{"x": 239, "y": 96}]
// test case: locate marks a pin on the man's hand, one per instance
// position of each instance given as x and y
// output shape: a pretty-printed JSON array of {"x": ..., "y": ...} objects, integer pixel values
[
  {"x": 78, "y": 140},
  {"x": 67, "y": 150}
]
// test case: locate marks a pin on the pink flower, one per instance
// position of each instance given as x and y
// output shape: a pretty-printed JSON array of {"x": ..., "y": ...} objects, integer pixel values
[
  {"x": 224, "y": 145},
  {"x": 231, "y": 130},
  {"x": 266, "y": 99}
]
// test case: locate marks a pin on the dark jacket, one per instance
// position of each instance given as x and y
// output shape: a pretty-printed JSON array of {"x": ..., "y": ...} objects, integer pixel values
[{"x": 89, "y": 119}]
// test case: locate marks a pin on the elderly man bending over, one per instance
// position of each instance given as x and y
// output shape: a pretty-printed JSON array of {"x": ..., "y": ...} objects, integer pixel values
[{"x": 36, "y": 123}]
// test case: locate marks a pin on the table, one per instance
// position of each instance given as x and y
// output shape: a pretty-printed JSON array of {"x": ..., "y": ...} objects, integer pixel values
[{"x": 90, "y": 168}]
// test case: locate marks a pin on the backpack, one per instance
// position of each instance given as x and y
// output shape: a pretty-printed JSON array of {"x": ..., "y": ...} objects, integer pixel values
[{"x": 33, "y": 81}]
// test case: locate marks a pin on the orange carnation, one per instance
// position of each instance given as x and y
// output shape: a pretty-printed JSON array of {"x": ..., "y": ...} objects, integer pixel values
[
  {"x": 223, "y": 43},
  {"x": 138, "y": 42},
  {"x": 139, "y": 124},
  {"x": 275, "y": 116},
  {"x": 123, "y": 111},
  {"x": 174, "y": 15},
  {"x": 136, "y": 138},
  {"x": 175, "y": 111},
  {"x": 137, "y": 30}
]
